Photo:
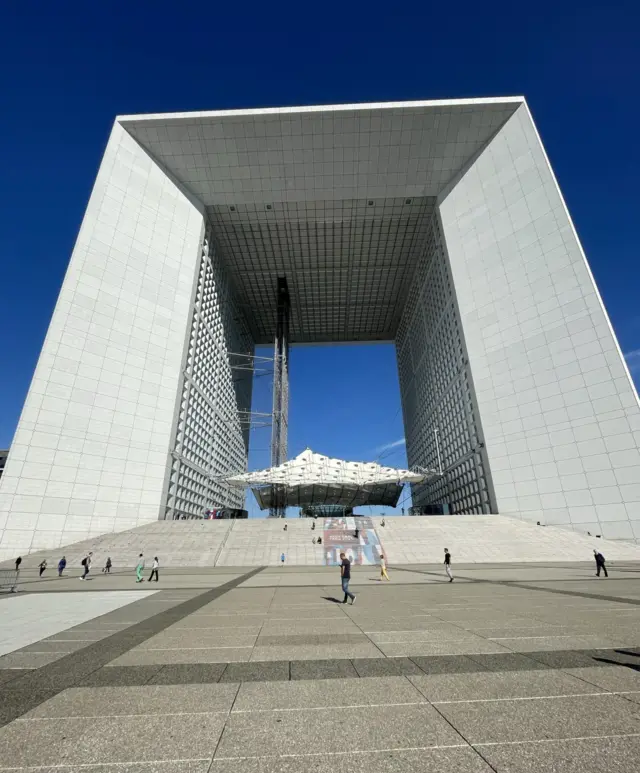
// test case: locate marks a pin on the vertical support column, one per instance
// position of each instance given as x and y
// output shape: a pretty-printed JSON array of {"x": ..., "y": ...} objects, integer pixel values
[{"x": 280, "y": 425}]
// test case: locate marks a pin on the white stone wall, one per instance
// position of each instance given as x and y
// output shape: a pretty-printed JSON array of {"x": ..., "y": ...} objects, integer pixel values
[
  {"x": 90, "y": 452},
  {"x": 559, "y": 411}
]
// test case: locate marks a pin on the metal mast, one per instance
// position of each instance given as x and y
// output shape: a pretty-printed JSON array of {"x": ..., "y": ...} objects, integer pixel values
[{"x": 280, "y": 425}]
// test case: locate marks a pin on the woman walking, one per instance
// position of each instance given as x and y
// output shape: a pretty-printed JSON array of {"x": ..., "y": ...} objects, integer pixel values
[
  {"x": 154, "y": 569},
  {"x": 107, "y": 566},
  {"x": 447, "y": 564},
  {"x": 61, "y": 566},
  {"x": 42, "y": 567},
  {"x": 383, "y": 568}
]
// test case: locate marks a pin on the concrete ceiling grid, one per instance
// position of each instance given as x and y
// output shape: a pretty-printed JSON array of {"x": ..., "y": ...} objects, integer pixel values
[{"x": 336, "y": 198}]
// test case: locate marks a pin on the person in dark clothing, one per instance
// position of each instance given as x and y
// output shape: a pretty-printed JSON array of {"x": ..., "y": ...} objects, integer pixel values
[
  {"x": 86, "y": 565},
  {"x": 447, "y": 564},
  {"x": 600, "y": 564},
  {"x": 154, "y": 569},
  {"x": 18, "y": 562},
  {"x": 107, "y": 566},
  {"x": 345, "y": 575},
  {"x": 42, "y": 567},
  {"x": 62, "y": 563}
]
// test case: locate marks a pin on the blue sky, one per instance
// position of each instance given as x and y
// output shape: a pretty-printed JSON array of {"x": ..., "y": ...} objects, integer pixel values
[{"x": 68, "y": 68}]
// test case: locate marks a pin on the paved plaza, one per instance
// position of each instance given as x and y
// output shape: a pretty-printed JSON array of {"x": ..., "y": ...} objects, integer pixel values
[{"x": 518, "y": 668}]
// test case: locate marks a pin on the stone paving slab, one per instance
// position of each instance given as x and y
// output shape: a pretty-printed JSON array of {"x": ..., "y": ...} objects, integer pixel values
[
  {"x": 287, "y": 696},
  {"x": 138, "y": 700},
  {"x": 463, "y": 646},
  {"x": 616, "y": 679},
  {"x": 385, "y": 667},
  {"x": 499, "y": 721},
  {"x": 256, "y": 672},
  {"x": 143, "y": 657},
  {"x": 334, "y": 729},
  {"x": 85, "y": 741},
  {"x": 439, "y": 688},
  {"x": 199, "y": 639},
  {"x": 322, "y": 669},
  {"x": 120, "y": 676},
  {"x": 315, "y": 651},
  {"x": 461, "y": 759},
  {"x": 586, "y": 755},
  {"x": 186, "y": 673}
]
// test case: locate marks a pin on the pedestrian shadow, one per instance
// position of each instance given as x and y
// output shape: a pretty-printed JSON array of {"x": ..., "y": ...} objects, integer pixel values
[
  {"x": 632, "y": 666},
  {"x": 331, "y": 598}
]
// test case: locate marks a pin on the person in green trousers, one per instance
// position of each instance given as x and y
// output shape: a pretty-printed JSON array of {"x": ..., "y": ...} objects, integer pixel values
[{"x": 140, "y": 568}]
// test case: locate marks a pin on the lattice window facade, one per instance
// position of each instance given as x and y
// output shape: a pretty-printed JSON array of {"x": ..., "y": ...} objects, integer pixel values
[
  {"x": 436, "y": 388},
  {"x": 210, "y": 438}
]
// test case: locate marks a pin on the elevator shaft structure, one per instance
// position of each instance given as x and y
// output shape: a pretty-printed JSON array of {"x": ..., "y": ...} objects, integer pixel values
[{"x": 280, "y": 426}]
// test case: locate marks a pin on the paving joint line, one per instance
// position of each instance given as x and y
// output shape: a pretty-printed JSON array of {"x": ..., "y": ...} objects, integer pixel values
[
  {"x": 224, "y": 727},
  {"x": 458, "y": 732},
  {"x": 343, "y": 752},
  {"x": 555, "y": 740}
]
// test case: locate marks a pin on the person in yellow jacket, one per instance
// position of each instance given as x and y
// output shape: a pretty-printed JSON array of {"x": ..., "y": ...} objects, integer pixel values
[{"x": 383, "y": 568}]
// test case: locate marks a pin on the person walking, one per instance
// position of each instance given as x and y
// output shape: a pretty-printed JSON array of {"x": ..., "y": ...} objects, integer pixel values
[
  {"x": 42, "y": 567},
  {"x": 107, "y": 567},
  {"x": 154, "y": 569},
  {"x": 345, "y": 576},
  {"x": 282, "y": 557},
  {"x": 600, "y": 564},
  {"x": 447, "y": 564},
  {"x": 62, "y": 563},
  {"x": 18, "y": 562},
  {"x": 383, "y": 568},
  {"x": 86, "y": 563},
  {"x": 140, "y": 568}
]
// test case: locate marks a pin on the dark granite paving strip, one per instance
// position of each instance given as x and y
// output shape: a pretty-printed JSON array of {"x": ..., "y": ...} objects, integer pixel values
[
  {"x": 262, "y": 671},
  {"x": 386, "y": 667},
  {"x": 30, "y": 690},
  {"x": 322, "y": 669},
  {"x": 184, "y": 673},
  {"x": 344, "y": 668},
  {"x": 9, "y": 674},
  {"x": 121, "y": 676}
]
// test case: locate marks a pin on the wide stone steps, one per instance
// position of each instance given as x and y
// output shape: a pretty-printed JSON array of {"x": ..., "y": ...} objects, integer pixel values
[{"x": 408, "y": 540}]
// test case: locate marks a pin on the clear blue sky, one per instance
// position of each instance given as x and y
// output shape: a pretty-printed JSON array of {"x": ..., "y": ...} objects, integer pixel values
[{"x": 68, "y": 68}]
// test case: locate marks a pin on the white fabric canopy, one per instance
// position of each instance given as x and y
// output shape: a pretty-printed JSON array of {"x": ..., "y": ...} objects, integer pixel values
[{"x": 314, "y": 469}]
